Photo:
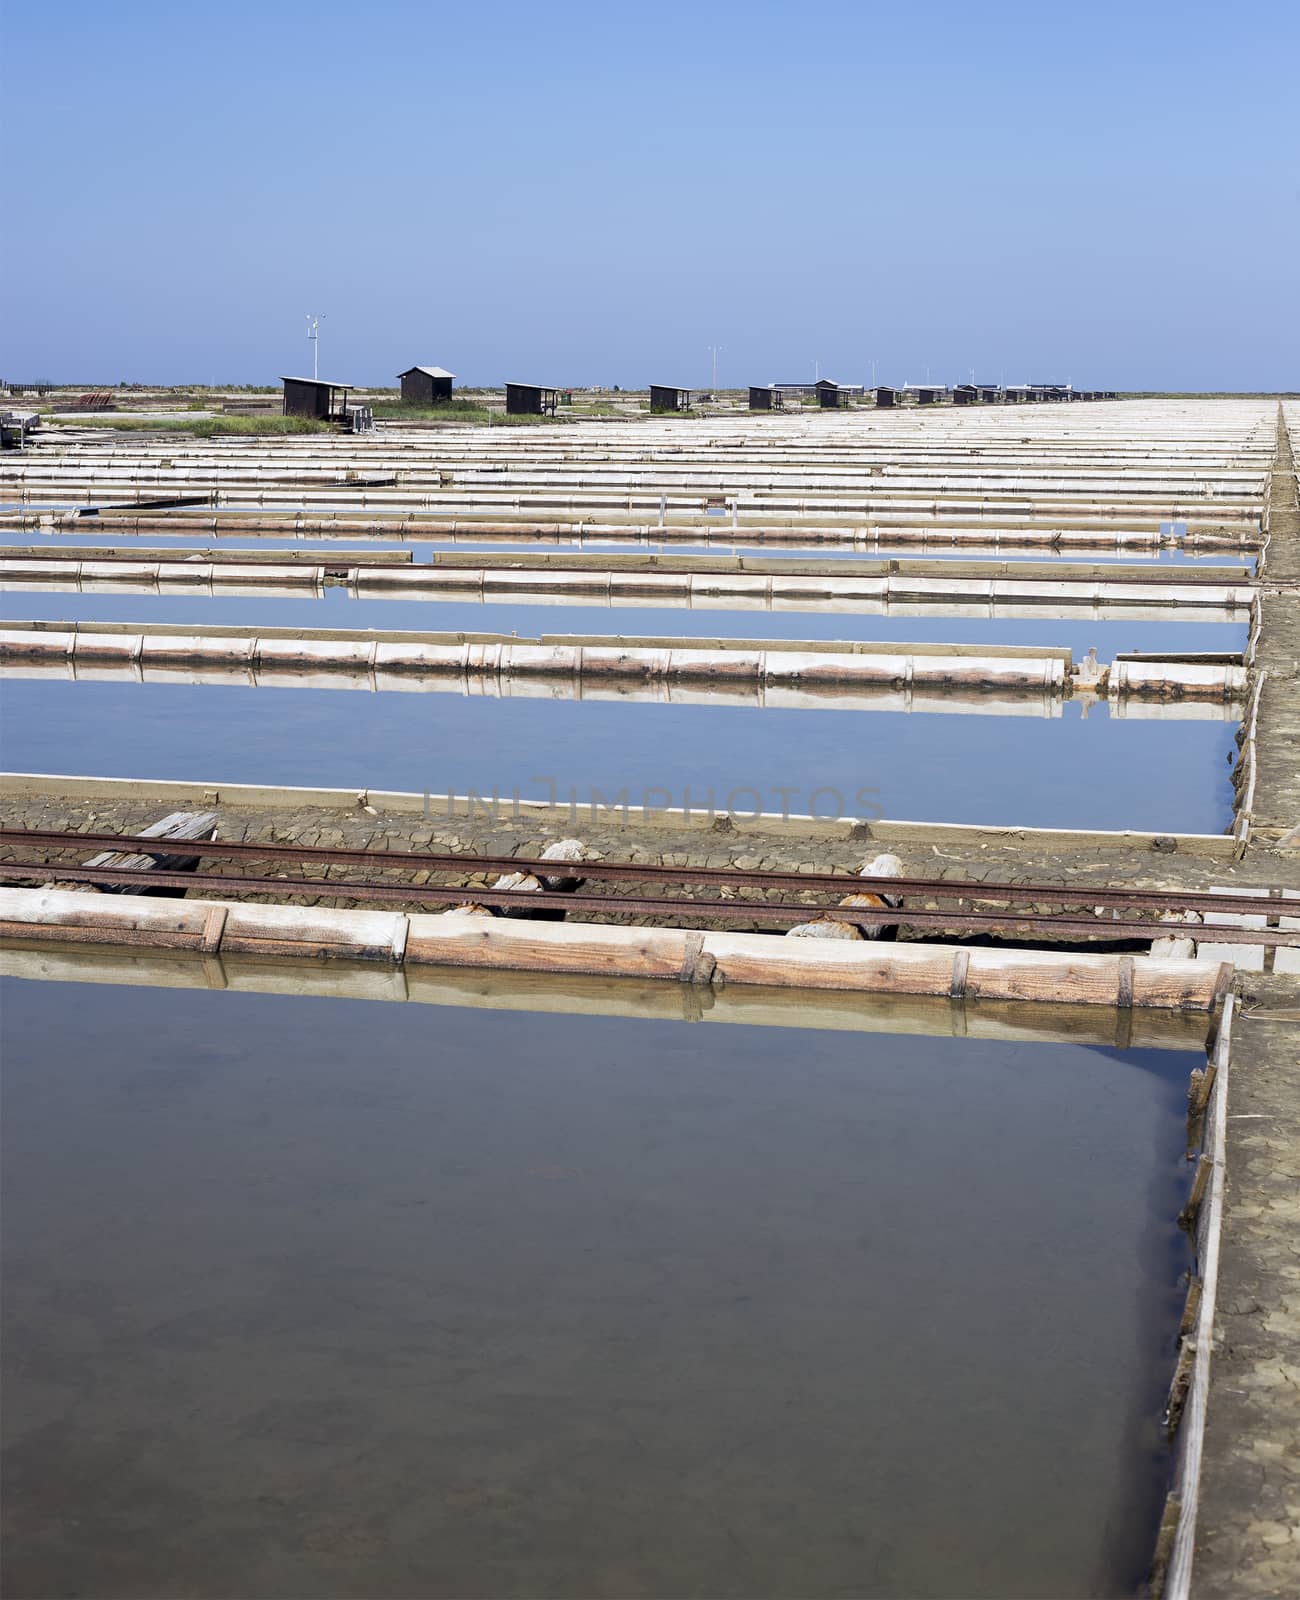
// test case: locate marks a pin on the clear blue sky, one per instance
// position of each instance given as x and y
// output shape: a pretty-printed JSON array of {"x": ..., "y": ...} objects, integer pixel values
[{"x": 581, "y": 193}]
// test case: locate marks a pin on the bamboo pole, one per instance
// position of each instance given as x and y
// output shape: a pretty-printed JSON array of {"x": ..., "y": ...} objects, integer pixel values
[
  {"x": 806, "y": 667},
  {"x": 739, "y": 590},
  {"x": 690, "y": 956},
  {"x": 1173, "y": 1581}
]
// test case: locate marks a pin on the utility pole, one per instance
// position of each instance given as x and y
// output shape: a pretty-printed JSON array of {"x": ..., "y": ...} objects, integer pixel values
[
  {"x": 715, "y": 350},
  {"x": 313, "y": 333}
]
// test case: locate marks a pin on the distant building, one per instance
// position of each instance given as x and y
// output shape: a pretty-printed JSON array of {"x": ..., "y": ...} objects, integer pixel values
[
  {"x": 965, "y": 394},
  {"x": 817, "y": 386},
  {"x": 314, "y": 397},
  {"x": 928, "y": 394},
  {"x": 664, "y": 397},
  {"x": 828, "y": 394},
  {"x": 425, "y": 386},
  {"x": 766, "y": 397},
  {"x": 531, "y": 400},
  {"x": 990, "y": 393},
  {"x": 886, "y": 396},
  {"x": 1017, "y": 393}
]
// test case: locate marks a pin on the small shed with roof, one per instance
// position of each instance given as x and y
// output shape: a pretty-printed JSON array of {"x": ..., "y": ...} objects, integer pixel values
[
  {"x": 315, "y": 397},
  {"x": 425, "y": 386},
  {"x": 531, "y": 399},
  {"x": 668, "y": 397},
  {"x": 765, "y": 397}
]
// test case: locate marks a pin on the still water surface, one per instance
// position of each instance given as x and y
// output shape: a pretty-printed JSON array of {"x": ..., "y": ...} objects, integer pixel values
[
  {"x": 335, "y": 608},
  {"x": 1063, "y": 771},
  {"x": 317, "y": 1297}
]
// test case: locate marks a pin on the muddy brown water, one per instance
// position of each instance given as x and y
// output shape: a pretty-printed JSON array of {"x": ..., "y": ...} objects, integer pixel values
[{"x": 316, "y": 1297}]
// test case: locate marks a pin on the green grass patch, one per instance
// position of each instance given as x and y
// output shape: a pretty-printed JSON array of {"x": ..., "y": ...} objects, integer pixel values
[
  {"x": 468, "y": 411},
  {"x": 199, "y": 427},
  {"x": 460, "y": 411},
  {"x": 448, "y": 411},
  {"x": 207, "y": 427}
]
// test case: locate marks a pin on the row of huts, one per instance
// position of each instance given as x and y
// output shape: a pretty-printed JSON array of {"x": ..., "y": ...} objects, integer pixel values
[
  {"x": 421, "y": 386},
  {"x": 772, "y": 396},
  {"x": 328, "y": 402},
  {"x": 831, "y": 395},
  {"x": 430, "y": 386}
]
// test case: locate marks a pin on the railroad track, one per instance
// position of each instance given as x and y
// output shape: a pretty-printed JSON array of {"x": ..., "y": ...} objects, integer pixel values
[{"x": 1113, "y": 913}]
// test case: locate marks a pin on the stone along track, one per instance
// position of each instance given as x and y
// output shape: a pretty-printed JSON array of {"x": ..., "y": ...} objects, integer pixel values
[{"x": 1049, "y": 912}]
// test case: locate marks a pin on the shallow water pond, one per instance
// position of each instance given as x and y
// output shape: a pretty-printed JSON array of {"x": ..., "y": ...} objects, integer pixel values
[
  {"x": 326, "y": 1297},
  {"x": 1064, "y": 770},
  {"x": 336, "y": 608}
]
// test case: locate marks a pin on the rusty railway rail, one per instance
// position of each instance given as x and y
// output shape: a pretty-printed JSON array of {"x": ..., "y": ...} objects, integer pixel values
[
  {"x": 1006, "y": 924},
  {"x": 1198, "y": 900}
]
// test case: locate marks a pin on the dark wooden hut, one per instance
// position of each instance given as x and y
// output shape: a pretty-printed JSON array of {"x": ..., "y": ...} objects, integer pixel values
[
  {"x": 531, "y": 400},
  {"x": 665, "y": 397},
  {"x": 425, "y": 386},
  {"x": 315, "y": 397}
]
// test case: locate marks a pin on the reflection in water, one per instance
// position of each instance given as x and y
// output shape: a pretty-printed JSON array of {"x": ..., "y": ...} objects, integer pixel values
[
  {"x": 336, "y": 608},
  {"x": 1060, "y": 771},
  {"x": 314, "y": 1297}
]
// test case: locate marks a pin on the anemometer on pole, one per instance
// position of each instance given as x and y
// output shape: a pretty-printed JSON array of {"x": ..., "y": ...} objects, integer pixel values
[{"x": 313, "y": 333}]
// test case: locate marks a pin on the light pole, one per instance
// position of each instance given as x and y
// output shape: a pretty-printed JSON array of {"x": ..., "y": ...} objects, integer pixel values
[{"x": 715, "y": 350}]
